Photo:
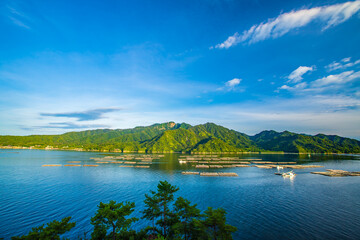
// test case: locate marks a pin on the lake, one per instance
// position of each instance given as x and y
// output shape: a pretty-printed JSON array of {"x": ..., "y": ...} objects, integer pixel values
[{"x": 260, "y": 204}]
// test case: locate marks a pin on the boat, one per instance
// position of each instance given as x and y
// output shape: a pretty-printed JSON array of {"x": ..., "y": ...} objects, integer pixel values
[{"x": 288, "y": 174}]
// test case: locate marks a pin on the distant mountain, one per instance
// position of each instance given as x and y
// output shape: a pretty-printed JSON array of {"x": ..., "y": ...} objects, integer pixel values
[
  {"x": 175, "y": 137},
  {"x": 298, "y": 143}
]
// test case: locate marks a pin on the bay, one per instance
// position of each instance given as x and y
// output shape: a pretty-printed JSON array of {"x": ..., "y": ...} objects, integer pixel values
[{"x": 260, "y": 204}]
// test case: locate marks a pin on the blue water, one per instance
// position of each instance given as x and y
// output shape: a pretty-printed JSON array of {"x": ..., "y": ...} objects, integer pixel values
[{"x": 260, "y": 204}]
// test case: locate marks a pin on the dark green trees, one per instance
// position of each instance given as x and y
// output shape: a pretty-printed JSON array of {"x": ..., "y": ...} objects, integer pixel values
[
  {"x": 215, "y": 224},
  {"x": 114, "y": 217},
  {"x": 185, "y": 213},
  {"x": 183, "y": 220},
  {"x": 157, "y": 206},
  {"x": 170, "y": 220},
  {"x": 171, "y": 137},
  {"x": 52, "y": 231}
]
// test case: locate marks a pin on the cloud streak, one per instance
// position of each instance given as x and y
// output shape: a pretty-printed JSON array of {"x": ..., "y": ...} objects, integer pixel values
[
  {"x": 328, "y": 16},
  {"x": 330, "y": 82},
  {"x": 69, "y": 125},
  {"x": 18, "y": 18},
  {"x": 94, "y": 114},
  {"x": 296, "y": 75},
  {"x": 344, "y": 63},
  {"x": 341, "y": 78}
]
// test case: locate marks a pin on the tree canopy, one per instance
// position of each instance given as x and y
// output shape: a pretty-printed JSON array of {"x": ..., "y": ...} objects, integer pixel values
[{"x": 169, "y": 219}]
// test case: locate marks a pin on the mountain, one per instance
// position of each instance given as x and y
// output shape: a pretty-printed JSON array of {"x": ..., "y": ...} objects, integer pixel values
[
  {"x": 182, "y": 137},
  {"x": 292, "y": 142}
]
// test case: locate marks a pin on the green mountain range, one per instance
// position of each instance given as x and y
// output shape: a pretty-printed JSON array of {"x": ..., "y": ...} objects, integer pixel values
[{"x": 175, "y": 137}]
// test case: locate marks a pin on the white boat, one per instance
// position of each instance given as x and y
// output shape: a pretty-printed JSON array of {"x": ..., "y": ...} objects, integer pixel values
[
  {"x": 181, "y": 161},
  {"x": 279, "y": 168},
  {"x": 288, "y": 174}
]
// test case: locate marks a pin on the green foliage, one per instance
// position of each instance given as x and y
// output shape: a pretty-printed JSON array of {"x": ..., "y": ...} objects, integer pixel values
[
  {"x": 179, "y": 220},
  {"x": 114, "y": 217},
  {"x": 215, "y": 225},
  {"x": 171, "y": 137},
  {"x": 231, "y": 137},
  {"x": 52, "y": 231},
  {"x": 214, "y": 145},
  {"x": 301, "y": 143},
  {"x": 186, "y": 213},
  {"x": 157, "y": 207}
]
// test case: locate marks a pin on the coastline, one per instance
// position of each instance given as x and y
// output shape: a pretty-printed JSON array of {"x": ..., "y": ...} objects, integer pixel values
[{"x": 50, "y": 148}]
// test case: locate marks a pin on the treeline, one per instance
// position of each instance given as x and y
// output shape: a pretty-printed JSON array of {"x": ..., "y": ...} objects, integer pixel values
[
  {"x": 172, "y": 137},
  {"x": 169, "y": 218}
]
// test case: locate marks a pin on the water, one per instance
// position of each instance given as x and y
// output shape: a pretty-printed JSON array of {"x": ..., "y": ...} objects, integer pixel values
[{"x": 260, "y": 204}]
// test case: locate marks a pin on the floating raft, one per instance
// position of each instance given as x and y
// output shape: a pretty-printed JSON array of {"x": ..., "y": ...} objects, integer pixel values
[
  {"x": 142, "y": 166},
  {"x": 51, "y": 165},
  {"x": 337, "y": 173},
  {"x": 72, "y": 165},
  {"x": 241, "y": 165},
  {"x": 215, "y": 166},
  {"x": 102, "y": 162},
  {"x": 202, "y": 166},
  {"x": 264, "y": 166},
  {"x": 261, "y": 162},
  {"x": 303, "y": 166},
  {"x": 218, "y": 174},
  {"x": 126, "y": 166},
  {"x": 227, "y": 174},
  {"x": 190, "y": 173},
  {"x": 90, "y": 165},
  {"x": 209, "y": 174},
  {"x": 227, "y": 166},
  {"x": 74, "y": 161}
]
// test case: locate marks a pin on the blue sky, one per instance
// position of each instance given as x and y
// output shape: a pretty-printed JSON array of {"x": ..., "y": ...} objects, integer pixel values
[{"x": 248, "y": 65}]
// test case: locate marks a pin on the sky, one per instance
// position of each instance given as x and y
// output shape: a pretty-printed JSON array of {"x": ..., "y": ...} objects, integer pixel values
[{"x": 249, "y": 65}]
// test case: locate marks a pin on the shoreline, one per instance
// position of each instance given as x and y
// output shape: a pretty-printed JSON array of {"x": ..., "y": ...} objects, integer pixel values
[{"x": 49, "y": 148}]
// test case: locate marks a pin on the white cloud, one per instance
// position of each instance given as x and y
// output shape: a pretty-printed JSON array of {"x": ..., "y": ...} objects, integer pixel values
[
  {"x": 299, "y": 86},
  {"x": 232, "y": 83},
  {"x": 329, "y": 16},
  {"x": 339, "y": 65},
  {"x": 343, "y": 82},
  {"x": 296, "y": 75},
  {"x": 341, "y": 78},
  {"x": 346, "y": 59}
]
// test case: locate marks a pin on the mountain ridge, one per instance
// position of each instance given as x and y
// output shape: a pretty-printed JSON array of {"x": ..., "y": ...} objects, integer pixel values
[{"x": 183, "y": 137}]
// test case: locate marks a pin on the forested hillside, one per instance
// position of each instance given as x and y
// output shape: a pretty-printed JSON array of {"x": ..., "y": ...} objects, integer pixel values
[{"x": 172, "y": 137}]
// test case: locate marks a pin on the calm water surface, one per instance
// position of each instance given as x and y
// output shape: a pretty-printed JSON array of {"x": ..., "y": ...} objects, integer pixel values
[{"x": 260, "y": 204}]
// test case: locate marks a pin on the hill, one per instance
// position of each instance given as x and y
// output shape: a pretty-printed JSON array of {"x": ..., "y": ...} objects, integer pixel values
[{"x": 175, "y": 137}]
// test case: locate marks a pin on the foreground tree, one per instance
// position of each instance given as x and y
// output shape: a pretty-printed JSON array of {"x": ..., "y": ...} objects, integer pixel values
[
  {"x": 179, "y": 220},
  {"x": 52, "y": 231},
  {"x": 151, "y": 212},
  {"x": 157, "y": 207},
  {"x": 114, "y": 217},
  {"x": 215, "y": 225},
  {"x": 185, "y": 213}
]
